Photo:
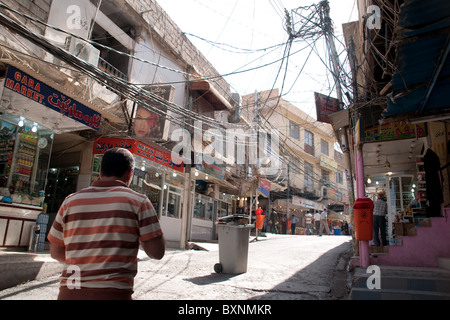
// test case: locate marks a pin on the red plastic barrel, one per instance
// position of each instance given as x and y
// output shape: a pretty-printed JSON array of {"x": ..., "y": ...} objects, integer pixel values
[{"x": 363, "y": 217}]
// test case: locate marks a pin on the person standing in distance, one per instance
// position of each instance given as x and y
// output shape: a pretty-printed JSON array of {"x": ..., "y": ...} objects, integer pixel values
[
  {"x": 97, "y": 232},
  {"x": 317, "y": 221},
  {"x": 379, "y": 220},
  {"x": 324, "y": 222},
  {"x": 294, "y": 224}
]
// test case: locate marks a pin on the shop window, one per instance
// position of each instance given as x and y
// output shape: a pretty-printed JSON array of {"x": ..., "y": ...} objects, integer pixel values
[
  {"x": 204, "y": 208},
  {"x": 173, "y": 203},
  {"x": 151, "y": 188},
  {"x": 223, "y": 209},
  {"x": 24, "y": 157}
]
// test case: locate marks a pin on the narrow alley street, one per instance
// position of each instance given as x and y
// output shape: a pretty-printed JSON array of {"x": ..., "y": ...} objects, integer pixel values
[{"x": 280, "y": 267}]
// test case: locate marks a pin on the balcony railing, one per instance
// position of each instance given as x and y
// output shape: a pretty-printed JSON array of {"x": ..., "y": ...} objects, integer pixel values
[{"x": 109, "y": 68}]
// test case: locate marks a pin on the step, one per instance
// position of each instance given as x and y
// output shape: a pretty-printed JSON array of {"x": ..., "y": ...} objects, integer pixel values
[
  {"x": 444, "y": 263},
  {"x": 403, "y": 283},
  {"x": 402, "y": 271},
  {"x": 406, "y": 282},
  {"x": 378, "y": 250},
  {"x": 395, "y": 294}
]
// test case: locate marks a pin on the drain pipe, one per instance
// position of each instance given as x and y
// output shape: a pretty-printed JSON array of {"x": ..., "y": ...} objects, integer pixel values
[{"x": 321, "y": 192}]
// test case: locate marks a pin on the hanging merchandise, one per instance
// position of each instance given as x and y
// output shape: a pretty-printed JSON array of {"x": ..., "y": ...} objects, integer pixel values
[{"x": 433, "y": 177}]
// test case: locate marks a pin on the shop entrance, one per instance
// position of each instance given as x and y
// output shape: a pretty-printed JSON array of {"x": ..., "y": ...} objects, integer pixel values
[{"x": 60, "y": 183}]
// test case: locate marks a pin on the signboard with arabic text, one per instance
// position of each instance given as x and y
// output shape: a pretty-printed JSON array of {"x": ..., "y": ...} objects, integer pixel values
[
  {"x": 35, "y": 90},
  {"x": 395, "y": 131},
  {"x": 307, "y": 203},
  {"x": 101, "y": 145}
]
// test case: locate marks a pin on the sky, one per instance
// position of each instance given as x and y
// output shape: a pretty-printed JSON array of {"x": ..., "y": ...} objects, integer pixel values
[{"x": 237, "y": 35}]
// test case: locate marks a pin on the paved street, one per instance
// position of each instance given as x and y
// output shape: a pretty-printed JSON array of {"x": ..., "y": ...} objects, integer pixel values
[{"x": 280, "y": 267}]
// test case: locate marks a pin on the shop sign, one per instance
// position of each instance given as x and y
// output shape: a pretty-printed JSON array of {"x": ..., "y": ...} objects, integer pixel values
[
  {"x": 306, "y": 203},
  {"x": 325, "y": 105},
  {"x": 213, "y": 169},
  {"x": 264, "y": 187},
  {"x": 39, "y": 92},
  {"x": 334, "y": 194},
  {"x": 101, "y": 145},
  {"x": 395, "y": 131},
  {"x": 328, "y": 163}
]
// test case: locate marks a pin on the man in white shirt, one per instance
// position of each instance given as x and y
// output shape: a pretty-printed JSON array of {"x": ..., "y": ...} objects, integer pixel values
[
  {"x": 324, "y": 222},
  {"x": 317, "y": 221},
  {"x": 308, "y": 219}
]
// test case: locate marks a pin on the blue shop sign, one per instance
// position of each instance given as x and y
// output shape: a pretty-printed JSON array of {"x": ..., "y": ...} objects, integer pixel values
[{"x": 39, "y": 92}]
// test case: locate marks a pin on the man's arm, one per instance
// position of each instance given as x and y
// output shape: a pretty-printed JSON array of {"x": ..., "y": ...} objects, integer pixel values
[
  {"x": 155, "y": 248},
  {"x": 58, "y": 253}
]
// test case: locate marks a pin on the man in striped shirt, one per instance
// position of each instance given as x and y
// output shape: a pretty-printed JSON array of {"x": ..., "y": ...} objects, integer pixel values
[{"x": 98, "y": 230}]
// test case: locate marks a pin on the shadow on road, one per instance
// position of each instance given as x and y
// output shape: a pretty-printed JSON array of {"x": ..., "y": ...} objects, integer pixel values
[
  {"x": 211, "y": 278},
  {"x": 315, "y": 281}
]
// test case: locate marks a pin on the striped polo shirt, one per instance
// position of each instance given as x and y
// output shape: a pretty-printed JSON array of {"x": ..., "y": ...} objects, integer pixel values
[{"x": 100, "y": 228}]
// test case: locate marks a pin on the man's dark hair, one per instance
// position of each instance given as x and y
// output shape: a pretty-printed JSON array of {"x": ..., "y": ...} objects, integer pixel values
[{"x": 116, "y": 162}]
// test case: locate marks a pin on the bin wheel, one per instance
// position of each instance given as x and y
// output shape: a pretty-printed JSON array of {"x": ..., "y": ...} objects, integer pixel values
[{"x": 218, "y": 268}]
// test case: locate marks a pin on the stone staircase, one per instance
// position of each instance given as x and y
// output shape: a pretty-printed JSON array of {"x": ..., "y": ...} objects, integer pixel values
[
  {"x": 417, "y": 268},
  {"x": 427, "y": 246},
  {"x": 402, "y": 283}
]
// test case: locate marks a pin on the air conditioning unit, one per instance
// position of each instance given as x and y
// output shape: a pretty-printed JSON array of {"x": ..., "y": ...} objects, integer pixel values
[{"x": 83, "y": 50}]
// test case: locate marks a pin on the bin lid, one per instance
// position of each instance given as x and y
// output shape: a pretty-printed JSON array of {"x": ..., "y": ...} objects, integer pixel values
[
  {"x": 235, "y": 218},
  {"x": 363, "y": 203}
]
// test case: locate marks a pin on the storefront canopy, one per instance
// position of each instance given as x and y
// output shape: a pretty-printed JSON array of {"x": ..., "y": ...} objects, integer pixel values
[{"x": 421, "y": 82}]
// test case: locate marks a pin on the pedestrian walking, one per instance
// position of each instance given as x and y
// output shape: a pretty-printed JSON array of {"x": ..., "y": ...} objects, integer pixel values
[
  {"x": 283, "y": 224},
  {"x": 345, "y": 228},
  {"x": 379, "y": 220},
  {"x": 324, "y": 222},
  {"x": 317, "y": 221},
  {"x": 274, "y": 221},
  {"x": 308, "y": 219},
  {"x": 293, "y": 224},
  {"x": 97, "y": 232}
]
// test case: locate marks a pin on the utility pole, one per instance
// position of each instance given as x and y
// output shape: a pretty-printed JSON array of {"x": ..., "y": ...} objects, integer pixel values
[
  {"x": 363, "y": 245},
  {"x": 288, "y": 193},
  {"x": 317, "y": 23}
]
